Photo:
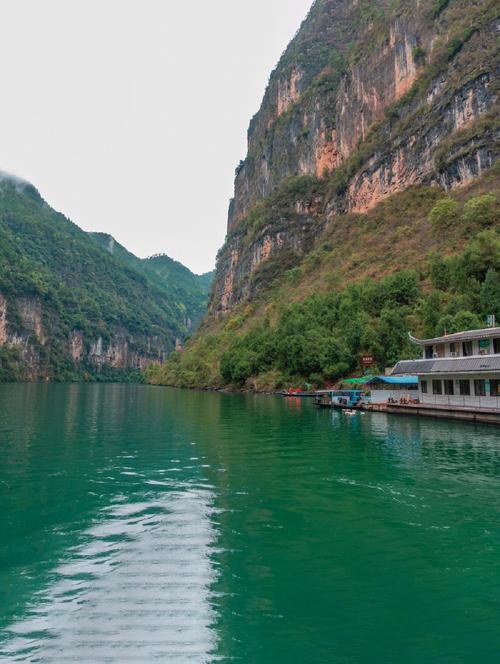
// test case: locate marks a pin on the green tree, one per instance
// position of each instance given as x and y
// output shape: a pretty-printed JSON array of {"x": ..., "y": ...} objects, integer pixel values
[
  {"x": 444, "y": 214},
  {"x": 490, "y": 294},
  {"x": 463, "y": 320},
  {"x": 430, "y": 310},
  {"x": 393, "y": 336},
  {"x": 481, "y": 211},
  {"x": 440, "y": 271},
  {"x": 480, "y": 255}
]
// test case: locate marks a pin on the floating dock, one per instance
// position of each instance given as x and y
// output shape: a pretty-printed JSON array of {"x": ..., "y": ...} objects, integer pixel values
[{"x": 479, "y": 415}]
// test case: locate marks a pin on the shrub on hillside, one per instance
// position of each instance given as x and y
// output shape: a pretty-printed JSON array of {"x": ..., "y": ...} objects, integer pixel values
[
  {"x": 482, "y": 211},
  {"x": 444, "y": 214},
  {"x": 419, "y": 55}
]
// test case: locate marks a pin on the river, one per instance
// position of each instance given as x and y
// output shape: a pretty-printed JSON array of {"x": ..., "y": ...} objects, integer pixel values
[{"x": 143, "y": 524}]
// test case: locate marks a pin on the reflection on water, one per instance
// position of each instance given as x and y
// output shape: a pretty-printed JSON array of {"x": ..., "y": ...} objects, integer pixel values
[
  {"x": 451, "y": 446},
  {"x": 137, "y": 588},
  {"x": 142, "y": 524}
]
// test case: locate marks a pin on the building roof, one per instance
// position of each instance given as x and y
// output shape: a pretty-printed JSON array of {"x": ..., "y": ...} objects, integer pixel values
[
  {"x": 395, "y": 380},
  {"x": 448, "y": 365},
  {"x": 486, "y": 333}
]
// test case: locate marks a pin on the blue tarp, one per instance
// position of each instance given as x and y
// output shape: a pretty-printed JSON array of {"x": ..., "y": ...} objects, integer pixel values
[{"x": 395, "y": 380}]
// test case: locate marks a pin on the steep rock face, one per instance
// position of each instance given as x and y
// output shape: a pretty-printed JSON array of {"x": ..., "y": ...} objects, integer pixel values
[
  {"x": 293, "y": 133},
  {"x": 327, "y": 123},
  {"x": 31, "y": 344},
  {"x": 30, "y": 312},
  {"x": 371, "y": 87},
  {"x": 412, "y": 158},
  {"x": 118, "y": 353},
  {"x": 369, "y": 99},
  {"x": 76, "y": 346},
  {"x": 25, "y": 338},
  {"x": 243, "y": 266}
]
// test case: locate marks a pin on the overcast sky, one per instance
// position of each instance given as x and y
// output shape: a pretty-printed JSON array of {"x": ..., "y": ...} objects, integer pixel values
[{"x": 130, "y": 116}]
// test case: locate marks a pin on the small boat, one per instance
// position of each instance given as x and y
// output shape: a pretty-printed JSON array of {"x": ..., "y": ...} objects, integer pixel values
[
  {"x": 323, "y": 401},
  {"x": 350, "y": 412},
  {"x": 341, "y": 399}
]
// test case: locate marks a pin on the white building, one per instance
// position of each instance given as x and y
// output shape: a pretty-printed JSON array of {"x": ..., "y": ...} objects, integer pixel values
[
  {"x": 458, "y": 371},
  {"x": 399, "y": 389}
]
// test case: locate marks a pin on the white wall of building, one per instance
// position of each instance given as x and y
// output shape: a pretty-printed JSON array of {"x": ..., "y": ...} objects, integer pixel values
[
  {"x": 383, "y": 396},
  {"x": 445, "y": 349},
  {"x": 470, "y": 401}
]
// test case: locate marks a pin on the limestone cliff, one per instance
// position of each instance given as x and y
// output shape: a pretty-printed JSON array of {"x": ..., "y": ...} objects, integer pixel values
[
  {"x": 368, "y": 99},
  {"x": 31, "y": 346}
]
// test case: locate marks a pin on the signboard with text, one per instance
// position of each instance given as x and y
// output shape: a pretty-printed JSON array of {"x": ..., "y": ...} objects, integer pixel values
[{"x": 368, "y": 360}]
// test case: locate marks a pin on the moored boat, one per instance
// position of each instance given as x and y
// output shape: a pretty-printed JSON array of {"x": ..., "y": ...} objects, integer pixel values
[
  {"x": 298, "y": 393},
  {"x": 341, "y": 399}
]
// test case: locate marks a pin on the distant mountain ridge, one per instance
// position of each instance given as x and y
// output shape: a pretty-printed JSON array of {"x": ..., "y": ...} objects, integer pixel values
[
  {"x": 75, "y": 305},
  {"x": 166, "y": 273}
]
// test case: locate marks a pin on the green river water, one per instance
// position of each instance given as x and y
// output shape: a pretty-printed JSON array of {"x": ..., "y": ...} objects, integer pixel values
[{"x": 146, "y": 524}]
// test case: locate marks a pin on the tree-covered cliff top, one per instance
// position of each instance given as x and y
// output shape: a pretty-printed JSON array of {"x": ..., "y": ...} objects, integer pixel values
[{"x": 167, "y": 274}]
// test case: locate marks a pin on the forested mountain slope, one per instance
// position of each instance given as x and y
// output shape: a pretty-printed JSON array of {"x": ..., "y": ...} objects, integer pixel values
[
  {"x": 68, "y": 308},
  {"x": 190, "y": 290},
  {"x": 367, "y": 204}
]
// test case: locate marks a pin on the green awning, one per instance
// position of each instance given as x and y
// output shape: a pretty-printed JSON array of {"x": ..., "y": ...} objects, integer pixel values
[{"x": 358, "y": 381}]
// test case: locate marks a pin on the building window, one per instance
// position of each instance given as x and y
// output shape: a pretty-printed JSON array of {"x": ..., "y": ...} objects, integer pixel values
[
  {"x": 453, "y": 349},
  {"x": 484, "y": 347},
  {"x": 495, "y": 388},
  {"x": 437, "y": 387},
  {"x": 449, "y": 388},
  {"x": 464, "y": 388},
  {"x": 496, "y": 346},
  {"x": 467, "y": 348},
  {"x": 423, "y": 386},
  {"x": 480, "y": 388},
  {"x": 429, "y": 352}
]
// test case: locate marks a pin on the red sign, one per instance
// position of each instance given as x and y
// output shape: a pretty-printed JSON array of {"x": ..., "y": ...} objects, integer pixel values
[{"x": 368, "y": 360}]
